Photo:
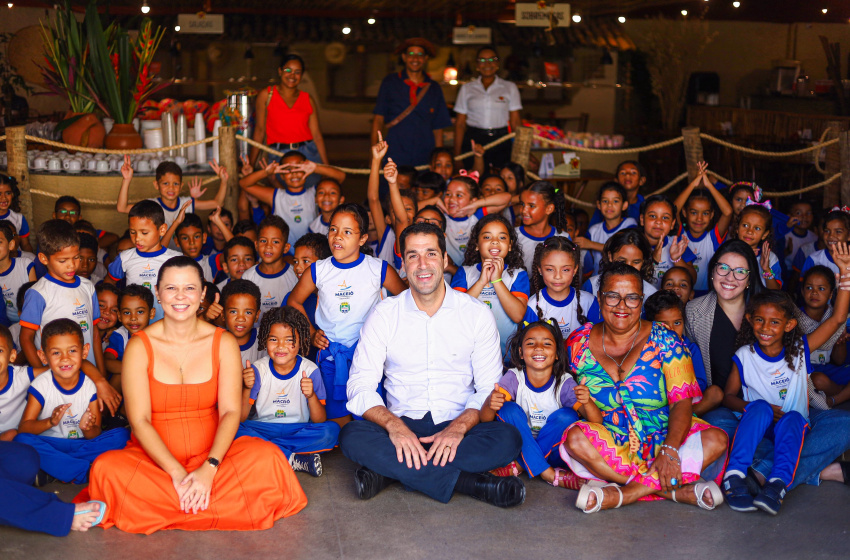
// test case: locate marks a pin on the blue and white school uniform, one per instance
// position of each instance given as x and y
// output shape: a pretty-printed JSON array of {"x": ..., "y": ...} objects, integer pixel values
[
  {"x": 794, "y": 242},
  {"x": 703, "y": 247},
  {"x": 319, "y": 225},
  {"x": 17, "y": 219},
  {"x": 15, "y": 329},
  {"x": 600, "y": 234},
  {"x": 282, "y": 412},
  {"x": 298, "y": 210},
  {"x": 457, "y": 234},
  {"x": 516, "y": 281},
  {"x": 50, "y": 299},
  {"x": 541, "y": 414},
  {"x": 15, "y": 276},
  {"x": 767, "y": 381},
  {"x": 821, "y": 358},
  {"x": 347, "y": 293},
  {"x": 210, "y": 265},
  {"x": 564, "y": 312},
  {"x": 667, "y": 263},
  {"x": 13, "y": 397},
  {"x": 273, "y": 287},
  {"x": 64, "y": 451},
  {"x": 142, "y": 268},
  {"x": 802, "y": 254},
  {"x": 821, "y": 257},
  {"x": 592, "y": 287},
  {"x": 250, "y": 350},
  {"x": 117, "y": 343},
  {"x": 171, "y": 213},
  {"x": 384, "y": 250},
  {"x": 529, "y": 243}
]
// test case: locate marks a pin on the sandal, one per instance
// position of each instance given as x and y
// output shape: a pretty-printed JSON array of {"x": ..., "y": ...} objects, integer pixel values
[
  {"x": 595, "y": 487},
  {"x": 511, "y": 469},
  {"x": 100, "y": 514},
  {"x": 699, "y": 491},
  {"x": 569, "y": 479}
]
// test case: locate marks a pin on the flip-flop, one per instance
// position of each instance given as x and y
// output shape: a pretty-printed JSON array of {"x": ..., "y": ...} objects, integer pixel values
[{"x": 100, "y": 515}]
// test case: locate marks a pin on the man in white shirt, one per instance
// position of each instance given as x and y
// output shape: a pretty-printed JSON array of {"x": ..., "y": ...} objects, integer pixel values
[{"x": 439, "y": 350}]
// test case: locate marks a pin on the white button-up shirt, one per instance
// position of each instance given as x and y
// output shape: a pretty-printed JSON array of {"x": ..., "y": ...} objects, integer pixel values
[
  {"x": 488, "y": 108},
  {"x": 442, "y": 364}
]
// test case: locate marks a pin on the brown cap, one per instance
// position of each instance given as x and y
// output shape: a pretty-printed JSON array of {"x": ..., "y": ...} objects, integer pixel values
[{"x": 425, "y": 44}]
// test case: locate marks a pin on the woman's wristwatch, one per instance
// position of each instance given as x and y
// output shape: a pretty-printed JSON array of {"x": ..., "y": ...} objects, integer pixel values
[{"x": 214, "y": 463}]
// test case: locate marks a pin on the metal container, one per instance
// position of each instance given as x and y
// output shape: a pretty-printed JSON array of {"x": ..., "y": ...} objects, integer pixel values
[{"x": 240, "y": 113}]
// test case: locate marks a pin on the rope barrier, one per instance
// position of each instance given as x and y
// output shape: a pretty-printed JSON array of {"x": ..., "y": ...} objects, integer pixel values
[
  {"x": 804, "y": 189},
  {"x": 615, "y": 151},
  {"x": 763, "y": 153},
  {"x": 816, "y": 155},
  {"x": 86, "y": 149},
  {"x": 98, "y": 202}
]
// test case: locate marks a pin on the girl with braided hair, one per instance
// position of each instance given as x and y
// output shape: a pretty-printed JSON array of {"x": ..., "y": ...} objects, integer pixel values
[
  {"x": 543, "y": 214},
  {"x": 284, "y": 393},
  {"x": 555, "y": 281}
]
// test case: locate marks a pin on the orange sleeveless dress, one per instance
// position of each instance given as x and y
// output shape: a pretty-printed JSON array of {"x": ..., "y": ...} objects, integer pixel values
[{"x": 254, "y": 485}]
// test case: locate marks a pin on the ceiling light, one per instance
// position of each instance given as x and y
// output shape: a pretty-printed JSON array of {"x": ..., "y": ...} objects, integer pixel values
[
  {"x": 10, "y": 4},
  {"x": 823, "y": 11},
  {"x": 371, "y": 21},
  {"x": 622, "y": 19},
  {"x": 576, "y": 18},
  {"x": 145, "y": 7},
  {"x": 685, "y": 13},
  {"x": 346, "y": 30},
  {"x": 736, "y": 4},
  {"x": 177, "y": 28}
]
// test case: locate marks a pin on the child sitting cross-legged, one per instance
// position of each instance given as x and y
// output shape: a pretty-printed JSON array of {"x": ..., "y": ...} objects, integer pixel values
[
  {"x": 288, "y": 393},
  {"x": 61, "y": 419}
]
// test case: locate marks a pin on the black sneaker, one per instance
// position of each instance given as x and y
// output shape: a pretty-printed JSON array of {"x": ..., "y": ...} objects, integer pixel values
[
  {"x": 737, "y": 496},
  {"x": 43, "y": 479},
  {"x": 310, "y": 463},
  {"x": 771, "y": 496},
  {"x": 368, "y": 483},
  {"x": 500, "y": 491}
]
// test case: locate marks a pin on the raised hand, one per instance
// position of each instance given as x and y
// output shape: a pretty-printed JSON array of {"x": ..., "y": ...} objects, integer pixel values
[
  {"x": 306, "y": 385},
  {"x": 497, "y": 399},
  {"x": 307, "y": 166},
  {"x": 127, "y": 169},
  {"x": 247, "y": 168},
  {"x": 182, "y": 213},
  {"x": 764, "y": 256},
  {"x": 840, "y": 253},
  {"x": 214, "y": 311},
  {"x": 677, "y": 248},
  {"x": 195, "y": 190},
  {"x": 498, "y": 269},
  {"x": 248, "y": 375},
  {"x": 477, "y": 149},
  {"x": 379, "y": 150},
  {"x": 391, "y": 171},
  {"x": 58, "y": 413}
]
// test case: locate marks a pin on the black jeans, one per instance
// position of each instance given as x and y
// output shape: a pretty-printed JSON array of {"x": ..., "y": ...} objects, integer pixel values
[
  {"x": 485, "y": 447},
  {"x": 496, "y": 157}
]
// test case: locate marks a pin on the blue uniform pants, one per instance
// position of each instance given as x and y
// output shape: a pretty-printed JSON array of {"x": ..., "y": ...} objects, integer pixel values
[
  {"x": 69, "y": 460},
  {"x": 306, "y": 437},
  {"x": 787, "y": 435},
  {"x": 539, "y": 454},
  {"x": 335, "y": 377},
  {"x": 485, "y": 447},
  {"x": 21, "y": 504}
]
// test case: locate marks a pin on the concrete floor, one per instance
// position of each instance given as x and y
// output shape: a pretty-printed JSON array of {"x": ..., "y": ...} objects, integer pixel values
[{"x": 814, "y": 523}]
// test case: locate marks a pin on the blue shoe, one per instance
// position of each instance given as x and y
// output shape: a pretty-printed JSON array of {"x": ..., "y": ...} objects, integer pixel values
[
  {"x": 736, "y": 493},
  {"x": 100, "y": 514},
  {"x": 771, "y": 496},
  {"x": 310, "y": 463}
]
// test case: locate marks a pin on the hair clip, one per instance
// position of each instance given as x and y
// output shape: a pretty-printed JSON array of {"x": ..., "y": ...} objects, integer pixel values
[
  {"x": 472, "y": 175},
  {"x": 744, "y": 184},
  {"x": 845, "y": 209},
  {"x": 765, "y": 204}
]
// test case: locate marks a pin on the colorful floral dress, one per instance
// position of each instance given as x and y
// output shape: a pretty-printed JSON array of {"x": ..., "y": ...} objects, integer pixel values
[{"x": 638, "y": 405}]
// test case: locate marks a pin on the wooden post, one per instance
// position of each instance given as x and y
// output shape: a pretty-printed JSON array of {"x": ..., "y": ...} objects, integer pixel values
[
  {"x": 693, "y": 150},
  {"x": 16, "y": 149},
  {"x": 522, "y": 146},
  {"x": 844, "y": 151},
  {"x": 832, "y": 192},
  {"x": 228, "y": 153}
]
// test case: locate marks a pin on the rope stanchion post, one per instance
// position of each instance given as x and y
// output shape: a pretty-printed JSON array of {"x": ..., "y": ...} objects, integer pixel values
[
  {"x": 522, "y": 146},
  {"x": 844, "y": 152},
  {"x": 229, "y": 154},
  {"x": 693, "y": 150},
  {"x": 832, "y": 192},
  {"x": 16, "y": 152}
]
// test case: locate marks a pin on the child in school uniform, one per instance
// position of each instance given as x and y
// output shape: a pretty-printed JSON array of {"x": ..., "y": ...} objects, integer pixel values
[
  {"x": 135, "y": 311},
  {"x": 189, "y": 232},
  {"x": 309, "y": 249},
  {"x": 754, "y": 227},
  {"x": 328, "y": 197},
  {"x": 69, "y": 209},
  {"x": 10, "y": 209},
  {"x": 612, "y": 203},
  {"x": 679, "y": 281},
  {"x": 349, "y": 286},
  {"x": 543, "y": 214},
  {"x": 219, "y": 231},
  {"x": 169, "y": 181},
  {"x": 107, "y": 298},
  {"x": 14, "y": 272},
  {"x": 540, "y": 398},
  {"x": 657, "y": 219},
  {"x": 15, "y": 329},
  {"x": 89, "y": 266},
  {"x": 14, "y": 383},
  {"x": 62, "y": 419},
  {"x": 273, "y": 275},
  {"x": 296, "y": 202},
  {"x": 288, "y": 394},
  {"x": 493, "y": 272},
  {"x": 802, "y": 216},
  {"x": 388, "y": 223},
  {"x": 836, "y": 229},
  {"x": 141, "y": 264},
  {"x": 239, "y": 254},
  {"x": 241, "y": 302}
]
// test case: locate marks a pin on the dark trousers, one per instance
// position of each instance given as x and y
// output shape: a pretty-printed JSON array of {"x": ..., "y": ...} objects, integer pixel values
[
  {"x": 485, "y": 447},
  {"x": 21, "y": 504},
  {"x": 496, "y": 157}
]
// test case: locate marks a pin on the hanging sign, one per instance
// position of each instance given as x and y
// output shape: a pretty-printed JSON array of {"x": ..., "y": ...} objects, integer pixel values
[
  {"x": 201, "y": 23},
  {"x": 531, "y": 14},
  {"x": 472, "y": 35}
]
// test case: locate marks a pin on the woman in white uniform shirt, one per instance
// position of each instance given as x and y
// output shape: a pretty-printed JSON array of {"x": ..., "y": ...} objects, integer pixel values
[{"x": 485, "y": 107}]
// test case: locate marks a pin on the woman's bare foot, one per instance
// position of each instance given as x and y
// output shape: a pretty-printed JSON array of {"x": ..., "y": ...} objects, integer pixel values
[
  {"x": 832, "y": 472},
  {"x": 83, "y": 521}
]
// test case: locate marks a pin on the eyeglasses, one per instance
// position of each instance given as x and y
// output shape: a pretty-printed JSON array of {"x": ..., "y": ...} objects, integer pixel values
[
  {"x": 485, "y": 60},
  {"x": 414, "y": 53},
  {"x": 613, "y": 299},
  {"x": 292, "y": 71},
  {"x": 68, "y": 212},
  {"x": 739, "y": 273}
]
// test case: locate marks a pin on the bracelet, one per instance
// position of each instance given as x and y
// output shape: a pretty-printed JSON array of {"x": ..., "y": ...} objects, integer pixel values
[
  {"x": 674, "y": 459},
  {"x": 768, "y": 275},
  {"x": 670, "y": 447},
  {"x": 675, "y": 261},
  {"x": 494, "y": 281}
]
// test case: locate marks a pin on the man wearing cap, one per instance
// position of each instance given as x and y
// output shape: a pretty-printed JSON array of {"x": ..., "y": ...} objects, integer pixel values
[{"x": 411, "y": 110}]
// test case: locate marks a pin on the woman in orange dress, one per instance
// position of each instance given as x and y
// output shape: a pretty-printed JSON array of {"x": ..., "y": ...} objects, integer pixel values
[{"x": 182, "y": 469}]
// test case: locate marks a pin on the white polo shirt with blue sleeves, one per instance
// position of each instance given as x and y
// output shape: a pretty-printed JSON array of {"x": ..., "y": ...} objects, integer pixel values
[
  {"x": 51, "y": 299},
  {"x": 457, "y": 234},
  {"x": 273, "y": 287},
  {"x": 298, "y": 210},
  {"x": 50, "y": 394},
  {"x": 141, "y": 267},
  {"x": 278, "y": 397},
  {"x": 11, "y": 281},
  {"x": 772, "y": 380},
  {"x": 13, "y": 397},
  {"x": 564, "y": 312}
]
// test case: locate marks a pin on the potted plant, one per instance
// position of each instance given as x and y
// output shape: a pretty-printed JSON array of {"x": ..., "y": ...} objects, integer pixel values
[
  {"x": 119, "y": 78},
  {"x": 15, "y": 108},
  {"x": 66, "y": 60}
]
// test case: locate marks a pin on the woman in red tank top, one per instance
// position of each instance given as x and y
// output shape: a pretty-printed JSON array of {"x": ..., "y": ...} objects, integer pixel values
[{"x": 286, "y": 117}]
